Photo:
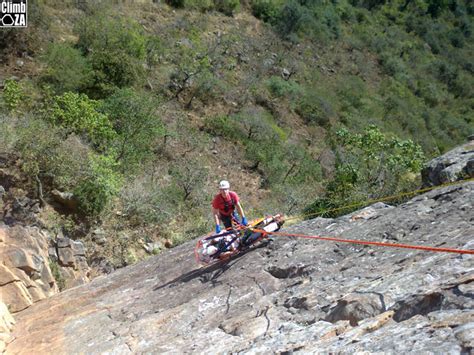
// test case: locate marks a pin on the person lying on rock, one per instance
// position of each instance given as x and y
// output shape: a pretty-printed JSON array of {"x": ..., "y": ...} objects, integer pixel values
[
  {"x": 269, "y": 224},
  {"x": 222, "y": 247}
]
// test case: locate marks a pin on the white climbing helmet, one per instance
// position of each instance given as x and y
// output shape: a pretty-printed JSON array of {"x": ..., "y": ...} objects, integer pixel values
[{"x": 224, "y": 184}]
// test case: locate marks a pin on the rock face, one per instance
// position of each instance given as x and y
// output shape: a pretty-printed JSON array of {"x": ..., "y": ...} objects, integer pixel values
[
  {"x": 27, "y": 254},
  {"x": 291, "y": 295},
  {"x": 26, "y": 274},
  {"x": 457, "y": 164}
]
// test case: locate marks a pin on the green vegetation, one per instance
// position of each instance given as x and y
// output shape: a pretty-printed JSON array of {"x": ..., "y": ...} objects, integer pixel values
[
  {"x": 115, "y": 47},
  {"x": 67, "y": 69},
  {"x": 76, "y": 113},
  {"x": 58, "y": 277},
  {"x": 136, "y": 125},
  {"x": 369, "y": 166},
  {"x": 12, "y": 95},
  {"x": 141, "y": 114},
  {"x": 100, "y": 185}
]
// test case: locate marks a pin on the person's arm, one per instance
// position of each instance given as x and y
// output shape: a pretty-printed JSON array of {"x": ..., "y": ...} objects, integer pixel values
[
  {"x": 241, "y": 213},
  {"x": 215, "y": 213}
]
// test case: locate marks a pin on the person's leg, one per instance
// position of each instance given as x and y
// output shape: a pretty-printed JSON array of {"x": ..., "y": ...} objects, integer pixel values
[
  {"x": 236, "y": 216},
  {"x": 227, "y": 220}
]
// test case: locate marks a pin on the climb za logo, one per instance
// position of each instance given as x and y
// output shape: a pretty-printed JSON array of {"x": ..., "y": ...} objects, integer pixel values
[{"x": 13, "y": 13}]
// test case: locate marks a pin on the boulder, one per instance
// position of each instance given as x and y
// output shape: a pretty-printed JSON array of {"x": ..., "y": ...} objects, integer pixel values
[
  {"x": 457, "y": 164},
  {"x": 151, "y": 248},
  {"x": 285, "y": 74},
  {"x": 22, "y": 259},
  {"x": 66, "y": 199},
  {"x": 78, "y": 248},
  {"x": 356, "y": 307},
  {"x": 99, "y": 236},
  {"x": 66, "y": 257}
]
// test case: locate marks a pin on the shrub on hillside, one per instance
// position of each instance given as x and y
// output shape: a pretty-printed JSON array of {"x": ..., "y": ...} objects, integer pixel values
[
  {"x": 201, "y": 5},
  {"x": 36, "y": 149},
  {"x": 179, "y": 4},
  {"x": 79, "y": 114},
  {"x": 352, "y": 91},
  {"x": 12, "y": 95},
  {"x": 8, "y": 136},
  {"x": 369, "y": 165},
  {"x": 207, "y": 88},
  {"x": 188, "y": 176},
  {"x": 254, "y": 124},
  {"x": 314, "y": 109},
  {"x": 154, "y": 50},
  {"x": 30, "y": 39},
  {"x": 267, "y": 157},
  {"x": 368, "y": 4},
  {"x": 67, "y": 69},
  {"x": 266, "y": 10},
  {"x": 283, "y": 88},
  {"x": 133, "y": 116},
  {"x": 115, "y": 48},
  {"x": 60, "y": 164},
  {"x": 101, "y": 184},
  {"x": 289, "y": 18},
  {"x": 227, "y": 7},
  {"x": 221, "y": 126}
]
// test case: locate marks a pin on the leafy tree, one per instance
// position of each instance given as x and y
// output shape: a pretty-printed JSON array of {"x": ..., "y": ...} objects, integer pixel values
[
  {"x": 79, "y": 114},
  {"x": 189, "y": 176},
  {"x": 67, "y": 69},
  {"x": 369, "y": 165},
  {"x": 194, "y": 75},
  {"x": 379, "y": 155},
  {"x": 266, "y": 10},
  {"x": 133, "y": 116},
  {"x": 115, "y": 48},
  {"x": 99, "y": 187}
]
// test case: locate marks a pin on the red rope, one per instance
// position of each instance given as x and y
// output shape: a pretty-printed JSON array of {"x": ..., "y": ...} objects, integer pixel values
[{"x": 381, "y": 244}]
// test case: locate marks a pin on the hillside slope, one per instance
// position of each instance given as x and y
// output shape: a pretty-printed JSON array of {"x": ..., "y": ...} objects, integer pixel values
[
  {"x": 292, "y": 295},
  {"x": 146, "y": 105}
]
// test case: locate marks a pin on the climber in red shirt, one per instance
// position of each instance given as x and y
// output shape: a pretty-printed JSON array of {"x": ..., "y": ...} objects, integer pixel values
[{"x": 223, "y": 206}]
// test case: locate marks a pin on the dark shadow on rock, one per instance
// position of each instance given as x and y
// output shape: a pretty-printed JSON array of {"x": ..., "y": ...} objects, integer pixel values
[
  {"x": 356, "y": 307},
  {"x": 191, "y": 275},
  {"x": 417, "y": 304},
  {"x": 212, "y": 272}
]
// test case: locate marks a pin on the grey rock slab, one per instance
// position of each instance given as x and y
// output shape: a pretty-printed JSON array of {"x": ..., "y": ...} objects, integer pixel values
[{"x": 283, "y": 297}]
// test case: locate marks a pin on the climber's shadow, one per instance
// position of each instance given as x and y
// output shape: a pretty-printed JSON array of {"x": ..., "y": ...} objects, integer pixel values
[
  {"x": 206, "y": 274},
  {"x": 210, "y": 273}
]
